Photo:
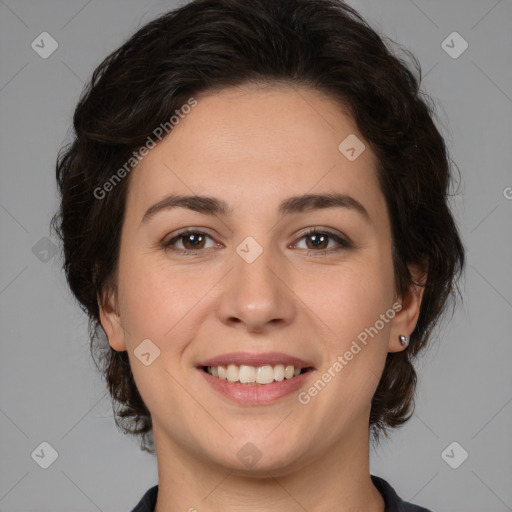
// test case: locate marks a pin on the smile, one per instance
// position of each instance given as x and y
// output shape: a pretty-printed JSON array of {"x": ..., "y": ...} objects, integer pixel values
[
  {"x": 250, "y": 379},
  {"x": 253, "y": 375}
]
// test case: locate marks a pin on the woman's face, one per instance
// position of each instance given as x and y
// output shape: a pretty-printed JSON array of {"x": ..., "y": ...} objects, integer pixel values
[{"x": 250, "y": 285}]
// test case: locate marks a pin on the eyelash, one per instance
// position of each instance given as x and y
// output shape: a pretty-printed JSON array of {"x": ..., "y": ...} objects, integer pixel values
[{"x": 344, "y": 243}]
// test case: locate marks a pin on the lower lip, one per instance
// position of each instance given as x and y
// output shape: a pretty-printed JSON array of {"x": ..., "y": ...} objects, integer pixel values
[{"x": 256, "y": 394}]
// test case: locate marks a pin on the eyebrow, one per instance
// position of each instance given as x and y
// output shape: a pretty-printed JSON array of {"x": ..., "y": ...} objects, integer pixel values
[{"x": 297, "y": 204}]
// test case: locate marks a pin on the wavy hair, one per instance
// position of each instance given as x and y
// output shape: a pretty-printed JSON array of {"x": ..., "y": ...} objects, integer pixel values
[{"x": 207, "y": 45}]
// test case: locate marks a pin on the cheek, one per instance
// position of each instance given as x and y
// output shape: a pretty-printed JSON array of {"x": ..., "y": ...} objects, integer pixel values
[
  {"x": 350, "y": 301},
  {"x": 159, "y": 300},
  {"x": 349, "y": 298},
  {"x": 161, "y": 304}
]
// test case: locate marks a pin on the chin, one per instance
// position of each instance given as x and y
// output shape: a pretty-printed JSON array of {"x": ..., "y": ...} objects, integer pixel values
[{"x": 256, "y": 457}]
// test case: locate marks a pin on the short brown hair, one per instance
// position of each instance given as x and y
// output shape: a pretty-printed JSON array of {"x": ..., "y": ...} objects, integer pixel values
[{"x": 211, "y": 44}]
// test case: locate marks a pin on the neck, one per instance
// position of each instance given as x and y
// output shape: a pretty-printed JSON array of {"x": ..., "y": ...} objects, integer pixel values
[{"x": 336, "y": 480}]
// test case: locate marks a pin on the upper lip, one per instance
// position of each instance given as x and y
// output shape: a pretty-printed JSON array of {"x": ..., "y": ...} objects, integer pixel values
[{"x": 251, "y": 359}]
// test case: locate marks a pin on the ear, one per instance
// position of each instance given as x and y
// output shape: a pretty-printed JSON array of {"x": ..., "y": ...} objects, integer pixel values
[
  {"x": 111, "y": 321},
  {"x": 404, "y": 321}
]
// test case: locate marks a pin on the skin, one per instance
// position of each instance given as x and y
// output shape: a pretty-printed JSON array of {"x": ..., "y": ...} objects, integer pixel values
[{"x": 253, "y": 147}]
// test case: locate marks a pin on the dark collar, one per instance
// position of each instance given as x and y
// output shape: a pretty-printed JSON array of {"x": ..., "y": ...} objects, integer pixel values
[{"x": 393, "y": 502}]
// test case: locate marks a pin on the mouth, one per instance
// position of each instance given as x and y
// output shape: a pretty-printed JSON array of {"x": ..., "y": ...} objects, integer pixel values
[
  {"x": 255, "y": 379},
  {"x": 255, "y": 375}
]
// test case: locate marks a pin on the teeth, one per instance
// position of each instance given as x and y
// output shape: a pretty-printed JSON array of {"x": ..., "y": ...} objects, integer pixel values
[
  {"x": 265, "y": 374},
  {"x": 279, "y": 372},
  {"x": 244, "y": 374},
  {"x": 247, "y": 374},
  {"x": 232, "y": 373}
]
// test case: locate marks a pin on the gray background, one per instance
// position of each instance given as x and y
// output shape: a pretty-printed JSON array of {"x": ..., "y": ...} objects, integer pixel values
[{"x": 49, "y": 389}]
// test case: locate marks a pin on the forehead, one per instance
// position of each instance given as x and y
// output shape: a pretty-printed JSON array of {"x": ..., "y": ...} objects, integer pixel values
[{"x": 255, "y": 142}]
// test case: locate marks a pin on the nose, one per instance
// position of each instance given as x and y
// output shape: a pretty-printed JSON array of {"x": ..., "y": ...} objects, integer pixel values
[{"x": 257, "y": 296}]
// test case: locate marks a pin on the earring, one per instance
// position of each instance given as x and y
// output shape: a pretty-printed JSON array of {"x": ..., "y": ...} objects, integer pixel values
[{"x": 403, "y": 340}]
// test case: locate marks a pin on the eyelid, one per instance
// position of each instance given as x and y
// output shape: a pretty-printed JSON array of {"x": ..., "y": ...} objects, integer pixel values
[
  {"x": 166, "y": 242},
  {"x": 342, "y": 240}
]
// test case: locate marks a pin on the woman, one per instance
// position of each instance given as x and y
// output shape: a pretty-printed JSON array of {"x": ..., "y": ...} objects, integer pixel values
[{"x": 254, "y": 212}]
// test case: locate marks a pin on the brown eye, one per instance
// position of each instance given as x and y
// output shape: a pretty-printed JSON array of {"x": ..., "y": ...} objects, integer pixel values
[
  {"x": 194, "y": 242},
  {"x": 191, "y": 241},
  {"x": 318, "y": 241}
]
